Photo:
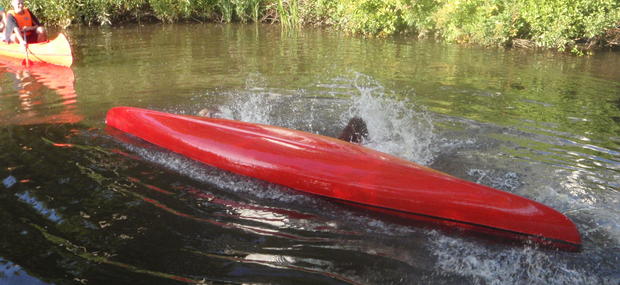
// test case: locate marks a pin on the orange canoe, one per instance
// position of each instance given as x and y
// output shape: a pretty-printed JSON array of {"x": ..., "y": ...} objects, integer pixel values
[{"x": 56, "y": 51}]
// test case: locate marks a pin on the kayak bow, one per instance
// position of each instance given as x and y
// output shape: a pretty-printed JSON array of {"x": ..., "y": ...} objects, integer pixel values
[{"x": 348, "y": 172}]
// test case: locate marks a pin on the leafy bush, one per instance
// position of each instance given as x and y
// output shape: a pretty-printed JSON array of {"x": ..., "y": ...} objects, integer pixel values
[
  {"x": 171, "y": 10},
  {"x": 552, "y": 23},
  {"x": 558, "y": 23},
  {"x": 481, "y": 21},
  {"x": 374, "y": 17}
]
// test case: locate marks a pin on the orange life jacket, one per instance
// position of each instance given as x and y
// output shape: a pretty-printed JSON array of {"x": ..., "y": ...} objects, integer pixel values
[{"x": 23, "y": 20}]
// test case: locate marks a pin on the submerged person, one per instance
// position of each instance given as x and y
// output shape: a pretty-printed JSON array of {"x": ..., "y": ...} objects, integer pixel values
[
  {"x": 356, "y": 130},
  {"x": 21, "y": 22}
]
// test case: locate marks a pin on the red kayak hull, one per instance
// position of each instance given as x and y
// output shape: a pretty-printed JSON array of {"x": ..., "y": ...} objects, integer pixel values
[{"x": 349, "y": 172}]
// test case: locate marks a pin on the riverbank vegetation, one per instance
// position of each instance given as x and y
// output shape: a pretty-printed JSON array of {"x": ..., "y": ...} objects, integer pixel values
[{"x": 561, "y": 24}]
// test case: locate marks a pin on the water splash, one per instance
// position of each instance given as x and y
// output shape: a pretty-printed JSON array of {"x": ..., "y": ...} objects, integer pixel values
[
  {"x": 396, "y": 126},
  {"x": 249, "y": 107},
  {"x": 509, "y": 181},
  {"x": 251, "y": 188},
  {"x": 526, "y": 265}
]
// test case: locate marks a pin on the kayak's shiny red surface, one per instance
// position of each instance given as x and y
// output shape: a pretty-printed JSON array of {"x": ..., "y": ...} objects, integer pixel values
[{"x": 349, "y": 172}]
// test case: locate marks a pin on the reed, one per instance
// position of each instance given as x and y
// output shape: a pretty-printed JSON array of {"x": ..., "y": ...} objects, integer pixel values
[
  {"x": 255, "y": 9},
  {"x": 288, "y": 13},
  {"x": 226, "y": 9},
  {"x": 239, "y": 10}
]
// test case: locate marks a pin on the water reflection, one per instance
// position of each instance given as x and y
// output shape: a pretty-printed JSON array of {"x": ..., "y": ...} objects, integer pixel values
[
  {"x": 11, "y": 273},
  {"x": 38, "y": 94},
  {"x": 39, "y": 206}
]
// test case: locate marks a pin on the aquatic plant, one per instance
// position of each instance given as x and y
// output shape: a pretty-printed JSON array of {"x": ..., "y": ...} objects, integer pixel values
[{"x": 288, "y": 13}]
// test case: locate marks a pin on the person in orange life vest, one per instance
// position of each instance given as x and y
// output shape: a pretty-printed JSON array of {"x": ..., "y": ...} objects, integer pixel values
[{"x": 21, "y": 21}]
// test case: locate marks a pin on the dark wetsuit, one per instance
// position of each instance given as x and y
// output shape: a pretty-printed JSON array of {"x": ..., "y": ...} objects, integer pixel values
[{"x": 11, "y": 23}]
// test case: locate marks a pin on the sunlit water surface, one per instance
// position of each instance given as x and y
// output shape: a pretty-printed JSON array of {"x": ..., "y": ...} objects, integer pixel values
[{"x": 80, "y": 203}]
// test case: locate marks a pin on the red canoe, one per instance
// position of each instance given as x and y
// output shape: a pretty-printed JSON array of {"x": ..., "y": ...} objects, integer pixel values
[
  {"x": 56, "y": 51},
  {"x": 348, "y": 172}
]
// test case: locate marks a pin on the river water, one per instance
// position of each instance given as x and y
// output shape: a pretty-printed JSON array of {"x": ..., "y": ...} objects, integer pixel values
[{"x": 80, "y": 204}]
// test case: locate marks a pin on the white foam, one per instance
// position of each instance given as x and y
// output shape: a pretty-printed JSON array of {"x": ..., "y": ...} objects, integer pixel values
[
  {"x": 395, "y": 129},
  {"x": 513, "y": 265},
  {"x": 254, "y": 108},
  {"x": 219, "y": 178},
  {"x": 394, "y": 126},
  {"x": 509, "y": 181}
]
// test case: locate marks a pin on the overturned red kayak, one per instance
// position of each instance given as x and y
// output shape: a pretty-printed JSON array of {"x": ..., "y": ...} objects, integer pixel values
[{"x": 349, "y": 172}]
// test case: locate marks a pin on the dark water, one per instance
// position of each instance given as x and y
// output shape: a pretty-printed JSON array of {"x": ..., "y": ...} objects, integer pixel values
[{"x": 78, "y": 204}]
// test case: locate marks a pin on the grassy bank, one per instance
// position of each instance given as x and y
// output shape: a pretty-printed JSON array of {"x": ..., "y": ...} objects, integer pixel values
[{"x": 557, "y": 24}]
